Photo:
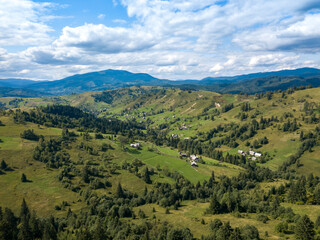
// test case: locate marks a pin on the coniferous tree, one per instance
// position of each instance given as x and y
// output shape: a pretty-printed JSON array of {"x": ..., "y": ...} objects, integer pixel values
[
  {"x": 24, "y": 229},
  {"x": 317, "y": 223},
  {"x": 3, "y": 165},
  {"x": 8, "y": 225},
  {"x": 146, "y": 175},
  {"x": 214, "y": 207},
  {"x": 119, "y": 191},
  {"x": 23, "y": 178},
  {"x": 24, "y": 210},
  {"x": 236, "y": 234},
  {"x": 304, "y": 229}
]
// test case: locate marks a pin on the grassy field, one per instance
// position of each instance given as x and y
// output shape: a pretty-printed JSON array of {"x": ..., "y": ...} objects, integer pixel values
[
  {"x": 192, "y": 212},
  {"x": 43, "y": 191},
  {"x": 166, "y": 157},
  {"x": 194, "y": 109}
]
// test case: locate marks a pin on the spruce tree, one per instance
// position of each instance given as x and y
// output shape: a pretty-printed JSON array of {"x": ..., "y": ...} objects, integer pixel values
[
  {"x": 317, "y": 223},
  {"x": 3, "y": 165},
  {"x": 23, "y": 178},
  {"x": 119, "y": 191},
  {"x": 304, "y": 229},
  {"x": 214, "y": 207},
  {"x": 24, "y": 210}
]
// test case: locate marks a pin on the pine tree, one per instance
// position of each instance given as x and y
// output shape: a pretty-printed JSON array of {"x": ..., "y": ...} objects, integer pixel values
[
  {"x": 317, "y": 223},
  {"x": 119, "y": 191},
  {"x": 8, "y": 225},
  {"x": 3, "y": 165},
  {"x": 24, "y": 210},
  {"x": 304, "y": 229},
  {"x": 24, "y": 229},
  {"x": 214, "y": 207},
  {"x": 99, "y": 233},
  {"x": 146, "y": 176},
  {"x": 23, "y": 178},
  {"x": 236, "y": 234},
  {"x": 35, "y": 226}
]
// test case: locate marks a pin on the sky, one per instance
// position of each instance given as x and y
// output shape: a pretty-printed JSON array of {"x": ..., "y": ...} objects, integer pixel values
[{"x": 170, "y": 39}]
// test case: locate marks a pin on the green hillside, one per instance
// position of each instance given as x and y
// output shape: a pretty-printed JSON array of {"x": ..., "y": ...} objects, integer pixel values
[{"x": 70, "y": 157}]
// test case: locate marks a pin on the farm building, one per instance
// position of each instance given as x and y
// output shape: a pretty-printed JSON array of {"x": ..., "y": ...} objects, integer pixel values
[
  {"x": 194, "y": 158},
  {"x": 194, "y": 164},
  {"x": 183, "y": 154},
  {"x": 135, "y": 145}
]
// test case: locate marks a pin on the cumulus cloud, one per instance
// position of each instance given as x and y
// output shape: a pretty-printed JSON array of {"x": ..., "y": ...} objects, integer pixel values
[
  {"x": 300, "y": 36},
  {"x": 171, "y": 39},
  {"x": 103, "y": 39},
  {"x": 21, "y": 24}
]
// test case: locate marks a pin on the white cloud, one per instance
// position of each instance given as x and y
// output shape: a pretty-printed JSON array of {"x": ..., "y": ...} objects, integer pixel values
[
  {"x": 103, "y": 39},
  {"x": 270, "y": 60},
  {"x": 171, "y": 39},
  {"x": 101, "y": 16},
  {"x": 300, "y": 36},
  {"x": 20, "y": 23},
  {"x": 121, "y": 21}
]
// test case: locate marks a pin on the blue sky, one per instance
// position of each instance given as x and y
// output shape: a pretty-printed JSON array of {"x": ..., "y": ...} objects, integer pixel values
[{"x": 173, "y": 39}]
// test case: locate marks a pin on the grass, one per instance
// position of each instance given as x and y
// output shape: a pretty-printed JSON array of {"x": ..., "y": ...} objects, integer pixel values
[
  {"x": 310, "y": 163},
  {"x": 167, "y": 157},
  {"x": 192, "y": 212},
  {"x": 313, "y": 211}
]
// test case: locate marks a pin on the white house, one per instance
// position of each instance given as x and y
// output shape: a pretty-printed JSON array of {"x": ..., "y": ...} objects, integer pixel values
[
  {"x": 194, "y": 164},
  {"x": 254, "y": 158},
  {"x": 174, "y": 135},
  {"x": 240, "y": 151},
  {"x": 258, "y": 154},
  {"x": 251, "y": 153},
  {"x": 194, "y": 158},
  {"x": 135, "y": 145}
]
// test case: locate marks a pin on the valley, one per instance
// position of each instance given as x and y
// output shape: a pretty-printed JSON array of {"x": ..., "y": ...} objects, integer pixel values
[{"x": 75, "y": 151}]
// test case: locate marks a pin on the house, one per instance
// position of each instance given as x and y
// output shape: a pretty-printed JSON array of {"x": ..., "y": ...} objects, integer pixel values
[
  {"x": 174, "y": 135},
  {"x": 183, "y": 127},
  {"x": 257, "y": 154},
  {"x": 194, "y": 158},
  {"x": 135, "y": 145},
  {"x": 183, "y": 154},
  {"x": 251, "y": 153},
  {"x": 254, "y": 158},
  {"x": 194, "y": 164},
  {"x": 240, "y": 151}
]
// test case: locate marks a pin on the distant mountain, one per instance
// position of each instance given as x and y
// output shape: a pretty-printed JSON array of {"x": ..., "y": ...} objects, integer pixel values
[
  {"x": 95, "y": 81},
  {"x": 111, "y": 79},
  {"x": 15, "y": 82},
  {"x": 300, "y": 72},
  {"x": 257, "y": 85},
  {"x": 20, "y": 92}
]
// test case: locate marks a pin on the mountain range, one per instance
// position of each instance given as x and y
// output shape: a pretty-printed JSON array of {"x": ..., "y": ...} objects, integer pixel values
[{"x": 110, "y": 79}]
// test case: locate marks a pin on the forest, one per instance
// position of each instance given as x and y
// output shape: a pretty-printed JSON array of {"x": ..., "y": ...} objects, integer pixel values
[{"x": 105, "y": 187}]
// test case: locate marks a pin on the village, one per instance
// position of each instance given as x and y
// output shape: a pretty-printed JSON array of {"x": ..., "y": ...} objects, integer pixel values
[{"x": 194, "y": 159}]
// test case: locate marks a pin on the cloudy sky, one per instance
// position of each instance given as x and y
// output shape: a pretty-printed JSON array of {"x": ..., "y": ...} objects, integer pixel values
[{"x": 174, "y": 39}]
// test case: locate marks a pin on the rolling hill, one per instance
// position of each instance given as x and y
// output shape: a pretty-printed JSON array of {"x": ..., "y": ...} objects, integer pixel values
[
  {"x": 112, "y": 79},
  {"x": 83, "y": 171}
]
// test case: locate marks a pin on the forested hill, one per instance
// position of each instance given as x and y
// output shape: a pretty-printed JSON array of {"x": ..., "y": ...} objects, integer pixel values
[
  {"x": 161, "y": 163},
  {"x": 112, "y": 79}
]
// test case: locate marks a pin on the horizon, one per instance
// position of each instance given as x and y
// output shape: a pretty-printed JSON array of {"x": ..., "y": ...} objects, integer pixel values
[
  {"x": 187, "y": 79},
  {"x": 173, "y": 39}
]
